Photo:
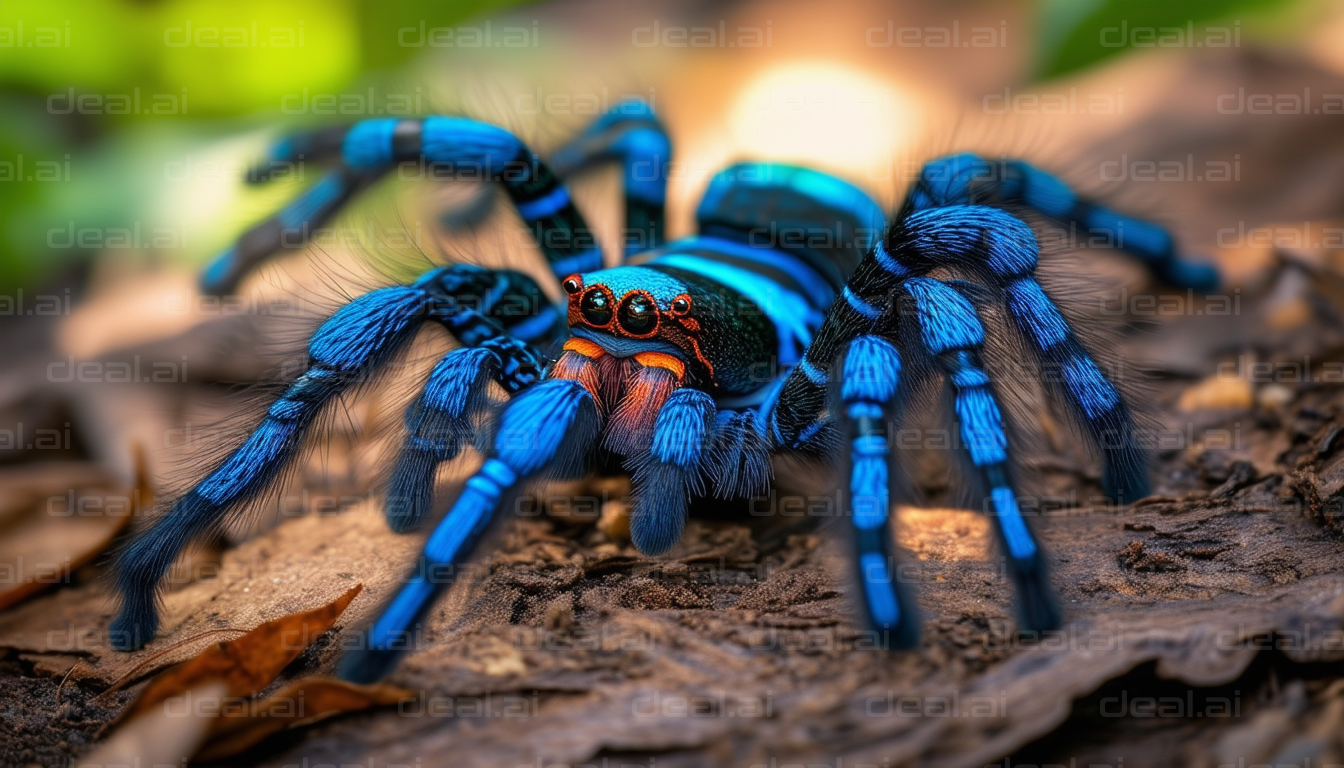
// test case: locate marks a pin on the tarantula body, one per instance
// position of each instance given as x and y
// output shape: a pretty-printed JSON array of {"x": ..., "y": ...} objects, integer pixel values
[{"x": 779, "y": 327}]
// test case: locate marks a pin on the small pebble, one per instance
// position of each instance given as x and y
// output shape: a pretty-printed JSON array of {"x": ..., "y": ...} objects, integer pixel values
[
  {"x": 1275, "y": 397},
  {"x": 615, "y": 520},
  {"x": 1218, "y": 392}
]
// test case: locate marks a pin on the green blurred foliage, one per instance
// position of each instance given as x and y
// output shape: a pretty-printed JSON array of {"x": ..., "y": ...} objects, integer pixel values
[
  {"x": 97, "y": 95},
  {"x": 101, "y": 100},
  {"x": 233, "y": 56},
  {"x": 1075, "y": 34}
]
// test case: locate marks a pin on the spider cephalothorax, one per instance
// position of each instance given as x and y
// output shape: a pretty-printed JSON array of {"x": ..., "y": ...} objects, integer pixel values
[
  {"x": 710, "y": 330},
  {"x": 781, "y": 324}
]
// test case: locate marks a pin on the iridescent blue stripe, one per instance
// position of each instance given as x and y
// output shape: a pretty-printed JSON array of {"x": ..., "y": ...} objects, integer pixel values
[
  {"x": 646, "y": 152},
  {"x": 1033, "y": 308},
  {"x": 312, "y": 202},
  {"x": 582, "y": 262},
  {"x": 868, "y": 483},
  {"x": 391, "y": 628},
  {"x": 861, "y": 306},
  {"x": 887, "y": 263},
  {"x": 795, "y": 320},
  {"x": 946, "y": 318},
  {"x": 1148, "y": 241},
  {"x": 535, "y": 325},
  {"x": 545, "y": 206},
  {"x": 369, "y": 143},
  {"x": 813, "y": 373},
  {"x": 283, "y": 149},
  {"x": 1046, "y": 193},
  {"x": 219, "y": 267},
  {"x": 818, "y": 290},
  {"x": 981, "y": 426},
  {"x": 810, "y": 431},
  {"x": 1088, "y": 384}
]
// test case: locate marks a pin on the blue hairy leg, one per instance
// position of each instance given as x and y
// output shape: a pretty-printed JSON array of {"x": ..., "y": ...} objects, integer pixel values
[
  {"x": 1094, "y": 398},
  {"x": 951, "y": 332},
  {"x": 358, "y": 338},
  {"x": 320, "y": 145},
  {"x": 290, "y": 227},
  {"x": 693, "y": 440},
  {"x": 438, "y": 425},
  {"x": 455, "y": 148},
  {"x": 739, "y": 454},
  {"x": 631, "y": 134},
  {"x": 1001, "y": 251},
  {"x": 869, "y": 381},
  {"x": 966, "y": 179},
  {"x": 548, "y": 426},
  {"x": 479, "y": 303},
  {"x": 354, "y": 342},
  {"x": 669, "y": 473},
  {"x": 439, "y": 420},
  {"x": 480, "y": 314}
]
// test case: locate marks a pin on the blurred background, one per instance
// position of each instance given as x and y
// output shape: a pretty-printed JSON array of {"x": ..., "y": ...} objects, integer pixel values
[{"x": 126, "y": 124}]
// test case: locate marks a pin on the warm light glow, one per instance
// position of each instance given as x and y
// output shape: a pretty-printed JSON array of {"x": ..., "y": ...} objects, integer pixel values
[
  {"x": 202, "y": 193},
  {"x": 825, "y": 114}
]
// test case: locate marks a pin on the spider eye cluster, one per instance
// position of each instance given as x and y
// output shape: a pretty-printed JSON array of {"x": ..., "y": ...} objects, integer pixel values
[
  {"x": 596, "y": 307},
  {"x": 638, "y": 315}
]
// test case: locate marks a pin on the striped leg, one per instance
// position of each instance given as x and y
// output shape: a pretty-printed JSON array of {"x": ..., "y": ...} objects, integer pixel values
[
  {"x": 869, "y": 382},
  {"x": 456, "y": 148},
  {"x": 469, "y": 301},
  {"x": 794, "y": 416},
  {"x": 967, "y": 179},
  {"x": 694, "y": 440},
  {"x": 1094, "y": 398},
  {"x": 953, "y": 335},
  {"x": 290, "y": 228},
  {"x": 470, "y": 149},
  {"x": 508, "y": 299},
  {"x": 1001, "y": 250},
  {"x": 356, "y": 340},
  {"x": 554, "y": 422},
  {"x": 631, "y": 134},
  {"x": 317, "y": 146}
]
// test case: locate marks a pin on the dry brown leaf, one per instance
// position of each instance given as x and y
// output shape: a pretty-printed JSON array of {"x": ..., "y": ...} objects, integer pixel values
[
  {"x": 297, "y": 704},
  {"x": 250, "y": 662},
  {"x": 180, "y": 707}
]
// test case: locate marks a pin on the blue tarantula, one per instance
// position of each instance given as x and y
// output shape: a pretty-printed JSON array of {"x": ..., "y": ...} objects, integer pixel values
[{"x": 690, "y": 364}]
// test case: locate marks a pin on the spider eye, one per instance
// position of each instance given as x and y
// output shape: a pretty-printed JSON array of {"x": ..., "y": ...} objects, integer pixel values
[
  {"x": 596, "y": 307},
  {"x": 681, "y": 305},
  {"x": 572, "y": 284},
  {"x": 638, "y": 315}
]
